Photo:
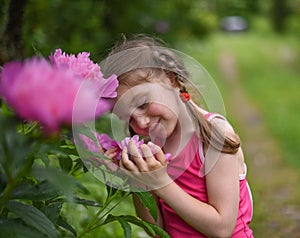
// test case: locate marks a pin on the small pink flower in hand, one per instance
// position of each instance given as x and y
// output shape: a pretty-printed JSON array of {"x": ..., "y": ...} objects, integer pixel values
[{"x": 106, "y": 143}]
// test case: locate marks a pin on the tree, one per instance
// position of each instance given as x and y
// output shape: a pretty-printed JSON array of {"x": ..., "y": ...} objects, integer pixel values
[
  {"x": 279, "y": 14},
  {"x": 11, "y": 42}
]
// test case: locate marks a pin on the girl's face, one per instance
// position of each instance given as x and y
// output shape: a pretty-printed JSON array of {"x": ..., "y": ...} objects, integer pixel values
[{"x": 150, "y": 109}]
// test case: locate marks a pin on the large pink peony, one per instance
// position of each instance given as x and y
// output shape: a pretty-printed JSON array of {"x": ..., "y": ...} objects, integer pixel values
[
  {"x": 84, "y": 68},
  {"x": 81, "y": 64},
  {"x": 40, "y": 91}
]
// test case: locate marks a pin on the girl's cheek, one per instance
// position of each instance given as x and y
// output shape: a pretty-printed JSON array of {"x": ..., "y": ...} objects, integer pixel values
[
  {"x": 155, "y": 109},
  {"x": 161, "y": 110}
]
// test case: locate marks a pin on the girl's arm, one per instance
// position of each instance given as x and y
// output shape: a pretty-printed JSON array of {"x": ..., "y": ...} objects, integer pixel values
[{"x": 216, "y": 218}]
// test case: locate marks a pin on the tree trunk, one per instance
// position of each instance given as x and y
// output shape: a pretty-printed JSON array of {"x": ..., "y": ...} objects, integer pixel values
[
  {"x": 278, "y": 14},
  {"x": 11, "y": 42}
]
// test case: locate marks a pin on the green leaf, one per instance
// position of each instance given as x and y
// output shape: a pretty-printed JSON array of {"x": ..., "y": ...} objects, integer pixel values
[
  {"x": 60, "y": 180},
  {"x": 110, "y": 218},
  {"x": 150, "y": 228},
  {"x": 3, "y": 182},
  {"x": 41, "y": 191},
  {"x": 62, "y": 223},
  {"x": 145, "y": 225},
  {"x": 148, "y": 200},
  {"x": 126, "y": 227},
  {"x": 111, "y": 190},
  {"x": 16, "y": 228},
  {"x": 79, "y": 165},
  {"x": 43, "y": 152},
  {"x": 33, "y": 217},
  {"x": 74, "y": 157},
  {"x": 37, "y": 51},
  {"x": 65, "y": 163},
  {"x": 52, "y": 211},
  {"x": 86, "y": 202},
  {"x": 15, "y": 148},
  {"x": 85, "y": 129}
]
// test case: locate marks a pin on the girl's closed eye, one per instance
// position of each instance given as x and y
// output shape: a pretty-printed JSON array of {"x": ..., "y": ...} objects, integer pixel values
[
  {"x": 142, "y": 103},
  {"x": 143, "y": 106}
]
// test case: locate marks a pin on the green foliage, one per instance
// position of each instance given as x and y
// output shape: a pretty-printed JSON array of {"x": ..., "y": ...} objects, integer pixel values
[
  {"x": 124, "y": 220},
  {"x": 94, "y": 25},
  {"x": 33, "y": 217},
  {"x": 40, "y": 176}
]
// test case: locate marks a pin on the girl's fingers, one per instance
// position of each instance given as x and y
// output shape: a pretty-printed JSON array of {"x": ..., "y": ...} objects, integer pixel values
[
  {"x": 146, "y": 152},
  {"x": 111, "y": 153},
  {"x": 113, "y": 149},
  {"x": 151, "y": 162},
  {"x": 159, "y": 154},
  {"x": 126, "y": 163},
  {"x": 101, "y": 150},
  {"x": 137, "y": 157},
  {"x": 146, "y": 158}
]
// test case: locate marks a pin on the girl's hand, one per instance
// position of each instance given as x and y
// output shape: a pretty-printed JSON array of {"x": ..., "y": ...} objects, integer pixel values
[
  {"x": 111, "y": 153},
  {"x": 111, "y": 163},
  {"x": 147, "y": 166}
]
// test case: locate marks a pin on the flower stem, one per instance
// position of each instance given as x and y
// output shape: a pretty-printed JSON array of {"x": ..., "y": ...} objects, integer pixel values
[{"x": 92, "y": 224}]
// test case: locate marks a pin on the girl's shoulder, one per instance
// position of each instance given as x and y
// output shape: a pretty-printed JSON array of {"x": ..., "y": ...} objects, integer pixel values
[
  {"x": 221, "y": 123},
  {"x": 212, "y": 115},
  {"x": 218, "y": 121}
]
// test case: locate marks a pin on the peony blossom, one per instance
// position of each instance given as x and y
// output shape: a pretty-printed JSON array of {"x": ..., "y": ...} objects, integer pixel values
[
  {"x": 104, "y": 143},
  {"x": 80, "y": 65},
  {"x": 39, "y": 91},
  {"x": 84, "y": 68}
]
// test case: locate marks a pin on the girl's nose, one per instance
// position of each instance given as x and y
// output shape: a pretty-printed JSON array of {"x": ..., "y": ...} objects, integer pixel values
[{"x": 142, "y": 121}]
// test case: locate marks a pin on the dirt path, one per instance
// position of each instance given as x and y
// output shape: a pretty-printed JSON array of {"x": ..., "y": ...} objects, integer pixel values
[{"x": 274, "y": 184}]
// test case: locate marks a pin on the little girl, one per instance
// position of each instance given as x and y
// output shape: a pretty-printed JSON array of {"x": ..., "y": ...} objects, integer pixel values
[{"x": 202, "y": 190}]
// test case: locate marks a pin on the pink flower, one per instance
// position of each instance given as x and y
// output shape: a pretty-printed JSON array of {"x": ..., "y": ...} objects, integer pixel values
[
  {"x": 100, "y": 143},
  {"x": 38, "y": 91},
  {"x": 125, "y": 142},
  {"x": 84, "y": 68},
  {"x": 104, "y": 142},
  {"x": 80, "y": 65}
]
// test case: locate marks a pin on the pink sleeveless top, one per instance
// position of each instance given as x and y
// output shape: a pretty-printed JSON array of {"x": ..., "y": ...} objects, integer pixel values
[{"x": 187, "y": 171}]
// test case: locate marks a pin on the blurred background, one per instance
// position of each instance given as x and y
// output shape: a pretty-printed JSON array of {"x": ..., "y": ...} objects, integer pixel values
[{"x": 251, "y": 49}]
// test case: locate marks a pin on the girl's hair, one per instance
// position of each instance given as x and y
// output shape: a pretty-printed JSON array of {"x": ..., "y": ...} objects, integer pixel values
[{"x": 142, "y": 59}]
